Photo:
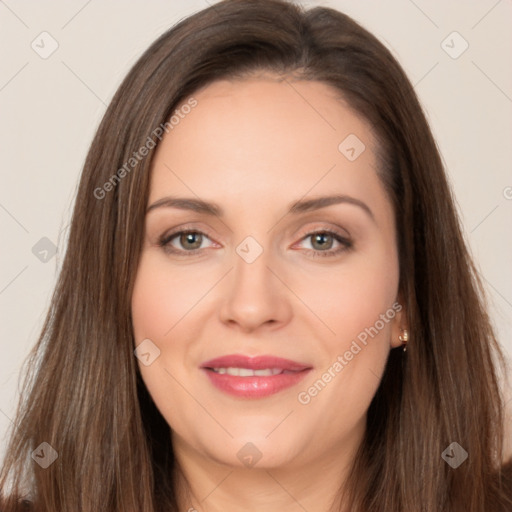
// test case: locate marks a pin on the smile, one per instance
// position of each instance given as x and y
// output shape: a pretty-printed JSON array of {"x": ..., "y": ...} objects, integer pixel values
[
  {"x": 247, "y": 372},
  {"x": 254, "y": 377}
]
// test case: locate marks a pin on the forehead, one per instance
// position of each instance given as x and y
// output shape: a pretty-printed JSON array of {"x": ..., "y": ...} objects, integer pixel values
[{"x": 263, "y": 139}]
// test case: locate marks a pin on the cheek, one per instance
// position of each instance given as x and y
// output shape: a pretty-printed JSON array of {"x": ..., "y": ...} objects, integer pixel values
[
  {"x": 358, "y": 304},
  {"x": 351, "y": 298},
  {"x": 156, "y": 309},
  {"x": 160, "y": 298},
  {"x": 149, "y": 305},
  {"x": 164, "y": 305}
]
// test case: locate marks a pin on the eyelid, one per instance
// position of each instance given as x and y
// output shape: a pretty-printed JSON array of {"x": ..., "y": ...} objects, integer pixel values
[
  {"x": 342, "y": 233},
  {"x": 188, "y": 227},
  {"x": 165, "y": 239},
  {"x": 345, "y": 242},
  {"x": 344, "y": 239}
]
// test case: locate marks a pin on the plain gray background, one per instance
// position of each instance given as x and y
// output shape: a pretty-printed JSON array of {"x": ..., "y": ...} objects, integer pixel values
[{"x": 51, "y": 106}]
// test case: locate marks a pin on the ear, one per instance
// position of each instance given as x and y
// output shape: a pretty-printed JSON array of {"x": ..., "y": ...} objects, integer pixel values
[{"x": 399, "y": 322}]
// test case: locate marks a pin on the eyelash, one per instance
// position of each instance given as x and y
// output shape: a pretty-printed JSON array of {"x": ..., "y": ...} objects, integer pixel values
[{"x": 346, "y": 244}]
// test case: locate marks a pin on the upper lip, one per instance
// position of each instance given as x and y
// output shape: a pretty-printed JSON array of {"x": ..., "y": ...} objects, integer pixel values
[{"x": 254, "y": 363}]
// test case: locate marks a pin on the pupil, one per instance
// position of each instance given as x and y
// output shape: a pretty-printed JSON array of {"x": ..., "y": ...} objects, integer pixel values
[
  {"x": 320, "y": 237},
  {"x": 189, "y": 238}
]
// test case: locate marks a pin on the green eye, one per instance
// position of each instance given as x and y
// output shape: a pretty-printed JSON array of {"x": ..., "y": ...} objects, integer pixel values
[
  {"x": 189, "y": 240},
  {"x": 326, "y": 239}
]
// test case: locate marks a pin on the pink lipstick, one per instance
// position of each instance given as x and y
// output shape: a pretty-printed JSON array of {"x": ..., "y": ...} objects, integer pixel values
[{"x": 254, "y": 377}]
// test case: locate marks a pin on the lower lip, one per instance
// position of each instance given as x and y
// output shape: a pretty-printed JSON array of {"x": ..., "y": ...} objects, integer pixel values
[{"x": 255, "y": 387}]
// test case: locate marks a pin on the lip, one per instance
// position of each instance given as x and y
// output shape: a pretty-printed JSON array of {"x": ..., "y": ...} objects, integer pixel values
[
  {"x": 254, "y": 363},
  {"x": 254, "y": 386}
]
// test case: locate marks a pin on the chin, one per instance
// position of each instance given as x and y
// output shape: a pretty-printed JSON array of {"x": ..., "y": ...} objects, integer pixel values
[{"x": 254, "y": 449}]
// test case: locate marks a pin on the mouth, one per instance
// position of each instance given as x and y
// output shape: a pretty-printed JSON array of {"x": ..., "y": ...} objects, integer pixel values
[
  {"x": 254, "y": 377},
  {"x": 247, "y": 372}
]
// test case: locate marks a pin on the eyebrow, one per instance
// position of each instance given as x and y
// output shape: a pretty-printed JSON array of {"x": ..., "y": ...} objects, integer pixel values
[{"x": 297, "y": 207}]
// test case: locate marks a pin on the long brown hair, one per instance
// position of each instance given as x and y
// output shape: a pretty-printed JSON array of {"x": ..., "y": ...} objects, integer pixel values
[{"x": 83, "y": 394}]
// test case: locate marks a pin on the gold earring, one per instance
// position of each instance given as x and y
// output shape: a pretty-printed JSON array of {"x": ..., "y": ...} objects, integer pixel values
[{"x": 404, "y": 339}]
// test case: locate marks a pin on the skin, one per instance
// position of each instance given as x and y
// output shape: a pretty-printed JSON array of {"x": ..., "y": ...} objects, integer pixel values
[{"x": 254, "y": 146}]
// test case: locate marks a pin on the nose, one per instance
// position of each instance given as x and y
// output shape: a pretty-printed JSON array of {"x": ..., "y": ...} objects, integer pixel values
[{"x": 255, "y": 295}]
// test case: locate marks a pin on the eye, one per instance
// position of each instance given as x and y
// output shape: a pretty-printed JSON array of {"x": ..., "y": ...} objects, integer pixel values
[
  {"x": 189, "y": 240},
  {"x": 323, "y": 241}
]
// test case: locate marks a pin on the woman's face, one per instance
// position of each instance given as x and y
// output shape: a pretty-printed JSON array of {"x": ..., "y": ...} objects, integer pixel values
[{"x": 274, "y": 272}]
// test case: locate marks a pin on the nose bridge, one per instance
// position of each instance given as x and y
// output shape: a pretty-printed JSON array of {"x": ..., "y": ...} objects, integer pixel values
[
  {"x": 251, "y": 274},
  {"x": 255, "y": 296}
]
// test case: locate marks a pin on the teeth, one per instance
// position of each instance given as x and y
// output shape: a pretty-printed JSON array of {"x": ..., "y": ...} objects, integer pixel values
[
  {"x": 267, "y": 372},
  {"x": 246, "y": 372}
]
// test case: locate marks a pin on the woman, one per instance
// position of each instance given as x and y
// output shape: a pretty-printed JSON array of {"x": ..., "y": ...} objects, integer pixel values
[{"x": 243, "y": 371}]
